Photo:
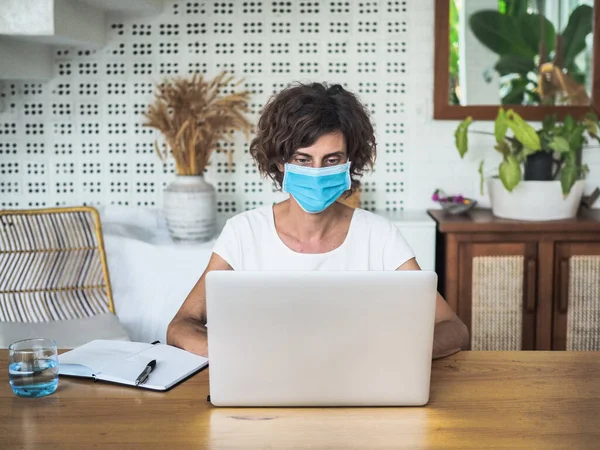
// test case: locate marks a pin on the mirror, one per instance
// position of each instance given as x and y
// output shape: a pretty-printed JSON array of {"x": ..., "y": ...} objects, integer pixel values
[{"x": 538, "y": 56}]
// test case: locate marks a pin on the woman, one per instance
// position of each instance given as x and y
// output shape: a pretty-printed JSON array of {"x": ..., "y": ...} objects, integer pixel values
[{"x": 314, "y": 141}]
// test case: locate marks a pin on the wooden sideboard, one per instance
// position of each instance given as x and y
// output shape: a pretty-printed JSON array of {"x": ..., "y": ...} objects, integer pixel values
[{"x": 522, "y": 285}]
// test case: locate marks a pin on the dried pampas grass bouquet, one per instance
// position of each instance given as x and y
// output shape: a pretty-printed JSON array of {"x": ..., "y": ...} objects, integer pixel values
[{"x": 193, "y": 116}]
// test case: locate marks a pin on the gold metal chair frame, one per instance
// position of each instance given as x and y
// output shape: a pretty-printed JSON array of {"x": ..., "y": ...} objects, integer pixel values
[{"x": 20, "y": 248}]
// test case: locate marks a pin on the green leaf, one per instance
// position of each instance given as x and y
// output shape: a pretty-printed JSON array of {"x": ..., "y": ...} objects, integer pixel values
[
  {"x": 585, "y": 169},
  {"x": 516, "y": 7},
  {"x": 515, "y": 95},
  {"x": 460, "y": 136},
  {"x": 540, "y": 5},
  {"x": 577, "y": 74},
  {"x": 533, "y": 98},
  {"x": 499, "y": 33},
  {"x": 500, "y": 126},
  {"x": 569, "y": 158},
  {"x": 508, "y": 64},
  {"x": 454, "y": 21},
  {"x": 454, "y": 18},
  {"x": 591, "y": 124},
  {"x": 481, "y": 178},
  {"x": 576, "y": 138},
  {"x": 453, "y": 67},
  {"x": 530, "y": 25},
  {"x": 559, "y": 144},
  {"x": 524, "y": 132},
  {"x": 510, "y": 173},
  {"x": 569, "y": 123},
  {"x": 568, "y": 177},
  {"x": 520, "y": 157},
  {"x": 577, "y": 29},
  {"x": 503, "y": 148},
  {"x": 549, "y": 122}
]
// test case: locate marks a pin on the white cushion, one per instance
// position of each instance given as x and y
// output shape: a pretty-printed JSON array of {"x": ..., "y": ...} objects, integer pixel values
[{"x": 66, "y": 333}]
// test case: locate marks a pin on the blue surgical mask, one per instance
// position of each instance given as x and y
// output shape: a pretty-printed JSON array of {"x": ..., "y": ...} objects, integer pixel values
[{"x": 315, "y": 189}]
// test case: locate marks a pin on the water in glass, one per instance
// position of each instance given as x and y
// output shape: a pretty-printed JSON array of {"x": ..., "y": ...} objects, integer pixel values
[{"x": 33, "y": 367}]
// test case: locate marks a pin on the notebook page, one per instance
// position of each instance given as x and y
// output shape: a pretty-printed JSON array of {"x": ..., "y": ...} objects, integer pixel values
[
  {"x": 96, "y": 356},
  {"x": 124, "y": 371},
  {"x": 172, "y": 365}
]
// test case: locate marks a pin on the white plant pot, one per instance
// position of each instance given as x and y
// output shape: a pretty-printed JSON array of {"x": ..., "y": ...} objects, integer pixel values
[
  {"x": 534, "y": 200},
  {"x": 190, "y": 209}
]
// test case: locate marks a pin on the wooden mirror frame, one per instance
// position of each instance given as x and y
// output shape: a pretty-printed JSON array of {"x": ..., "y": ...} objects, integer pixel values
[{"x": 442, "y": 110}]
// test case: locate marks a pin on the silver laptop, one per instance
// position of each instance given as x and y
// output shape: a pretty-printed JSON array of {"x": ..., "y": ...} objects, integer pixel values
[{"x": 320, "y": 338}]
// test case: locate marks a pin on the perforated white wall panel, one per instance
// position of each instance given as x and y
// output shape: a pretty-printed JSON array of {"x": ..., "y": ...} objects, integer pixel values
[{"x": 78, "y": 138}]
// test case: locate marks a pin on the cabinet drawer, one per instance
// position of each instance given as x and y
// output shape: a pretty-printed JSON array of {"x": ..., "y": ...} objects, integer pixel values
[
  {"x": 497, "y": 294},
  {"x": 576, "y": 324}
]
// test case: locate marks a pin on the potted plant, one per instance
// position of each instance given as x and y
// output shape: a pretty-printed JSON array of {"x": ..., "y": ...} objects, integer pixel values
[
  {"x": 193, "y": 116},
  {"x": 537, "y": 63},
  {"x": 551, "y": 185}
]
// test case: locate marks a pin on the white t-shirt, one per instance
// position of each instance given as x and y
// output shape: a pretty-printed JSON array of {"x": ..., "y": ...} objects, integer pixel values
[{"x": 249, "y": 241}]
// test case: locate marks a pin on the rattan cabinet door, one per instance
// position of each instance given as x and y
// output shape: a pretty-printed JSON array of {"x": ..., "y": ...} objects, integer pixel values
[
  {"x": 576, "y": 324},
  {"x": 497, "y": 294}
]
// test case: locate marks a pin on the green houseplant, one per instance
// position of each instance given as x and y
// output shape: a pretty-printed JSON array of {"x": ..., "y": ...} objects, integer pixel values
[
  {"x": 530, "y": 157},
  {"x": 562, "y": 143},
  {"x": 537, "y": 63}
]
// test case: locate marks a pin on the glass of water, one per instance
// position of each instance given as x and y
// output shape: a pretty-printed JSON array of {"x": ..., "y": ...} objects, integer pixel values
[{"x": 33, "y": 367}]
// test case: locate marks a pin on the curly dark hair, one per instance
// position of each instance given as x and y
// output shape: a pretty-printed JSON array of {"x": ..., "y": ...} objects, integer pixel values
[{"x": 302, "y": 113}]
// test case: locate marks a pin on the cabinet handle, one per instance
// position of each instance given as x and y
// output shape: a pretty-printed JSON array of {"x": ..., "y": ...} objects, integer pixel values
[
  {"x": 563, "y": 299},
  {"x": 531, "y": 288}
]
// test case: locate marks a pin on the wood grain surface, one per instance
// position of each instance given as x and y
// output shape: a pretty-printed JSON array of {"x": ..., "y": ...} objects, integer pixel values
[
  {"x": 481, "y": 220},
  {"x": 479, "y": 400}
]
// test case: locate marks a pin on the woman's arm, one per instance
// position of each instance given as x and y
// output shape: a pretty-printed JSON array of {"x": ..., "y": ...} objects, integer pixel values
[
  {"x": 187, "y": 330},
  {"x": 451, "y": 334}
]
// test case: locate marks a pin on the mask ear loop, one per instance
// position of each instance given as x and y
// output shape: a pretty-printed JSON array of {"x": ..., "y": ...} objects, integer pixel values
[
  {"x": 284, "y": 179},
  {"x": 349, "y": 174},
  {"x": 283, "y": 173}
]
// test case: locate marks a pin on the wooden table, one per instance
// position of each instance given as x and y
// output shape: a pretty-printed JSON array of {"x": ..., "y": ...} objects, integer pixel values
[{"x": 479, "y": 400}]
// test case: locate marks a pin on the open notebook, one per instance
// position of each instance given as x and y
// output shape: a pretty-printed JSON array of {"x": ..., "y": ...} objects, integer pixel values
[{"x": 122, "y": 362}]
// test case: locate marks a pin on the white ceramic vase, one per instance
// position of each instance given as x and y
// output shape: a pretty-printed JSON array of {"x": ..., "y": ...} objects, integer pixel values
[
  {"x": 534, "y": 200},
  {"x": 190, "y": 209}
]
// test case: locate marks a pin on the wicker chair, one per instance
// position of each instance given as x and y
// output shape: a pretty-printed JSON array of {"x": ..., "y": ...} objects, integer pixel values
[{"x": 54, "y": 280}]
